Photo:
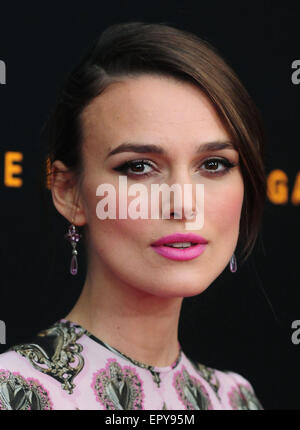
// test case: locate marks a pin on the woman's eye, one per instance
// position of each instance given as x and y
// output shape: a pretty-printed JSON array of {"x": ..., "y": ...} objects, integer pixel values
[
  {"x": 135, "y": 168},
  {"x": 144, "y": 168},
  {"x": 213, "y": 164}
]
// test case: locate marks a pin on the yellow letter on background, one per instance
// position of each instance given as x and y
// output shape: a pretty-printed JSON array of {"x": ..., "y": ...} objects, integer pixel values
[
  {"x": 277, "y": 183},
  {"x": 10, "y": 169},
  {"x": 295, "y": 198}
]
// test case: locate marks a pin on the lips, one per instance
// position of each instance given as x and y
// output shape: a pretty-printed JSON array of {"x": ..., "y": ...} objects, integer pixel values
[
  {"x": 180, "y": 254},
  {"x": 180, "y": 237}
]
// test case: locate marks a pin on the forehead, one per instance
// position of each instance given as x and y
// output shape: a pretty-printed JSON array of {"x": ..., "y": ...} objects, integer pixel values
[{"x": 153, "y": 107}]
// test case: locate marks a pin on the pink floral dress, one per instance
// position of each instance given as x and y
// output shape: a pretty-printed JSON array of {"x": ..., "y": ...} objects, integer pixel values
[{"x": 66, "y": 367}]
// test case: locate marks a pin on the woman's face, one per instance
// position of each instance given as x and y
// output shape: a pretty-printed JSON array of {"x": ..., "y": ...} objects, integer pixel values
[{"x": 176, "y": 117}]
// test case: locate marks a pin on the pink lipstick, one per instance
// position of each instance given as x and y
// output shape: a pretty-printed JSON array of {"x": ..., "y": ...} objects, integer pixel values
[{"x": 186, "y": 246}]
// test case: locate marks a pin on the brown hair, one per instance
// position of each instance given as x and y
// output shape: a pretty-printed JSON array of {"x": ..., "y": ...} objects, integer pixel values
[{"x": 135, "y": 48}]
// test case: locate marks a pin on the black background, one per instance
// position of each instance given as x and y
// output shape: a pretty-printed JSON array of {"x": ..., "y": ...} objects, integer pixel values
[{"x": 242, "y": 322}]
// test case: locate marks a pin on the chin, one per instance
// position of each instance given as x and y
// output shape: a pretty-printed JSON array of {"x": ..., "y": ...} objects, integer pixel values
[{"x": 180, "y": 289}]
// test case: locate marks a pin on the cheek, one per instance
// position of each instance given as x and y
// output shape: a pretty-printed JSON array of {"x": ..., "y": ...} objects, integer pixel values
[
  {"x": 118, "y": 231},
  {"x": 129, "y": 227},
  {"x": 121, "y": 230},
  {"x": 223, "y": 209}
]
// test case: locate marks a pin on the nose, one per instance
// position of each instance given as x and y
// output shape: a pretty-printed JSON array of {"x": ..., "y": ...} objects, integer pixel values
[
  {"x": 181, "y": 202},
  {"x": 183, "y": 214}
]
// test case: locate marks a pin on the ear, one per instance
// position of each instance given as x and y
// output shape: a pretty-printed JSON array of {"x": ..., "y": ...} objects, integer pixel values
[{"x": 65, "y": 193}]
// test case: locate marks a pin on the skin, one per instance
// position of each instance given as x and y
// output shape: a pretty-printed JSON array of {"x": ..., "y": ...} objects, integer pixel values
[{"x": 131, "y": 298}]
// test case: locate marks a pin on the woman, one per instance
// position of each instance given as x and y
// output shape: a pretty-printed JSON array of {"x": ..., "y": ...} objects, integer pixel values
[{"x": 152, "y": 105}]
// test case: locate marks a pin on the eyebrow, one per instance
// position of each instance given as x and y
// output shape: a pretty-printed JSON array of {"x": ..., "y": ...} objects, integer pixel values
[{"x": 156, "y": 149}]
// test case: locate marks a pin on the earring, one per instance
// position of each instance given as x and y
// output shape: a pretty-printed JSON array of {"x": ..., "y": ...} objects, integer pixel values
[
  {"x": 233, "y": 264},
  {"x": 73, "y": 237}
]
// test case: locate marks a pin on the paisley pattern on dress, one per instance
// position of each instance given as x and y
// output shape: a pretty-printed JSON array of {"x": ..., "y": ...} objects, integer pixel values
[
  {"x": 243, "y": 398},
  {"x": 191, "y": 391},
  {"x": 90, "y": 374},
  {"x": 118, "y": 387},
  {"x": 54, "y": 350},
  {"x": 209, "y": 375},
  {"x": 19, "y": 393},
  {"x": 155, "y": 374}
]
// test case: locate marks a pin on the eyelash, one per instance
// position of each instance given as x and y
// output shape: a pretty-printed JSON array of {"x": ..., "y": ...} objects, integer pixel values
[{"x": 128, "y": 164}]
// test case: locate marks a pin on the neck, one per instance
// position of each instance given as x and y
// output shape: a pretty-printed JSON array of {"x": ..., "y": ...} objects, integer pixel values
[{"x": 140, "y": 325}]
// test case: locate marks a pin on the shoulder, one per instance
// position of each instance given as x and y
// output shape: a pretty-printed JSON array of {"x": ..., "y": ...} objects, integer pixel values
[
  {"x": 21, "y": 386},
  {"x": 232, "y": 389},
  {"x": 33, "y": 373},
  {"x": 241, "y": 393}
]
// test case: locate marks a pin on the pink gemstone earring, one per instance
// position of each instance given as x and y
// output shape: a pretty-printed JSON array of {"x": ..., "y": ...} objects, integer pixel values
[
  {"x": 233, "y": 264},
  {"x": 73, "y": 237}
]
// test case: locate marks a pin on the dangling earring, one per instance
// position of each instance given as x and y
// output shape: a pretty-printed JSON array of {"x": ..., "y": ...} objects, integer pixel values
[
  {"x": 233, "y": 264},
  {"x": 73, "y": 237}
]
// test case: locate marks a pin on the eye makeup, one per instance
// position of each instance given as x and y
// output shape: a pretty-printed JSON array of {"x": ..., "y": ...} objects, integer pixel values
[{"x": 140, "y": 164}]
